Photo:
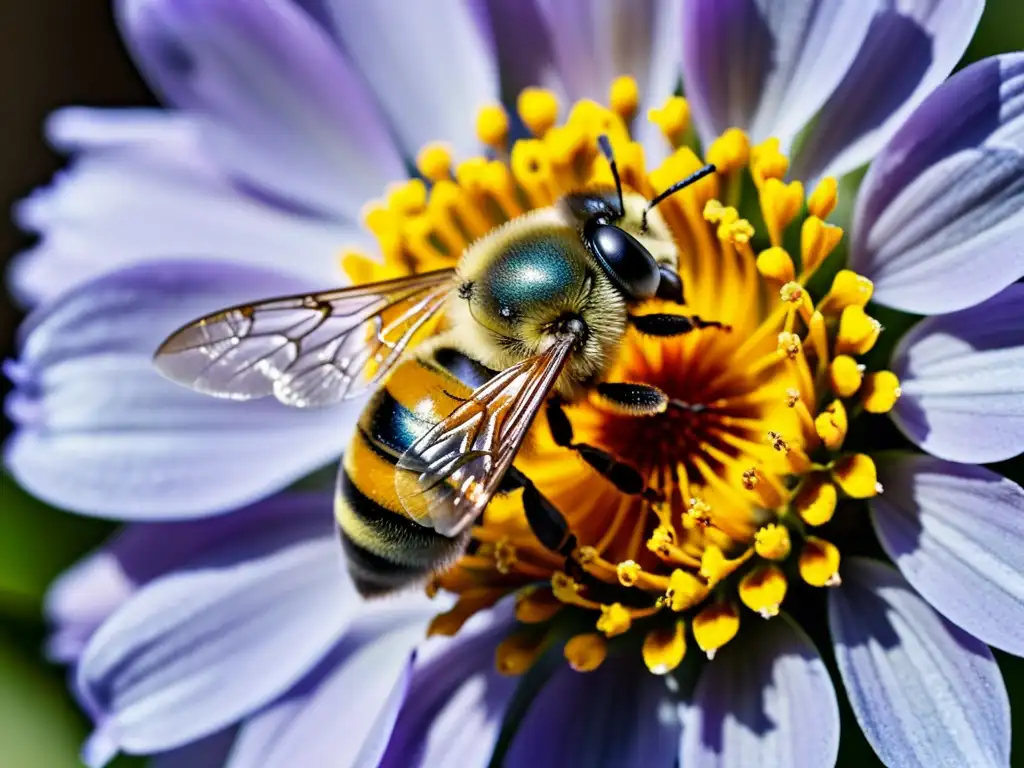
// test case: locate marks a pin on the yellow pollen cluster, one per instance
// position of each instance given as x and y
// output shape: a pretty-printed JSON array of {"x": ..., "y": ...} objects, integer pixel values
[{"x": 748, "y": 460}]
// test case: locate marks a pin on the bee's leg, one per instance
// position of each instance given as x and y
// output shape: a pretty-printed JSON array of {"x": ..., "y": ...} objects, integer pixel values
[
  {"x": 546, "y": 522},
  {"x": 624, "y": 477},
  {"x": 672, "y": 325},
  {"x": 632, "y": 399},
  {"x": 670, "y": 287}
]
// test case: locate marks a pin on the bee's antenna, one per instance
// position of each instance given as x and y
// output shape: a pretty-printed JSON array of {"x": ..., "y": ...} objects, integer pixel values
[
  {"x": 681, "y": 184},
  {"x": 606, "y": 150}
]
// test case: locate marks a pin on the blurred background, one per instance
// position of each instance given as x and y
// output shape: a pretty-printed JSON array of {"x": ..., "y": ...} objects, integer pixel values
[{"x": 58, "y": 52}]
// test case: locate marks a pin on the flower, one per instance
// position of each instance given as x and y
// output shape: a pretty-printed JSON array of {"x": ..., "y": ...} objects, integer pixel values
[{"x": 759, "y": 464}]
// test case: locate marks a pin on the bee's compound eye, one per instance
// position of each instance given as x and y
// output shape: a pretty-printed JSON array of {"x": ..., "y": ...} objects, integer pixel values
[{"x": 625, "y": 259}]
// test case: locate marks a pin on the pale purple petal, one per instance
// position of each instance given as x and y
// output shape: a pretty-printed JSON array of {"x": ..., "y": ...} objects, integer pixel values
[
  {"x": 940, "y": 216},
  {"x": 344, "y": 712},
  {"x": 924, "y": 691},
  {"x": 596, "y": 41},
  {"x": 910, "y": 47},
  {"x": 765, "y": 700},
  {"x": 956, "y": 531},
  {"x": 200, "y": 648},
  {"x": 84, "y": 596},
  {"x": 766, "y": 66},
  {"x": 101, "y": 432},
  {"x": 963, "y": 381},
  {"x": 431, "y": 66},
  {"x": 456, "y": 701},
  {"x": 280, "y": 106},
  {"x": 618, "y": 716},
  {"x": 210, "y": 752},
  {"x": 145, "y": 190},
  {"x": 522, "y": 46}
]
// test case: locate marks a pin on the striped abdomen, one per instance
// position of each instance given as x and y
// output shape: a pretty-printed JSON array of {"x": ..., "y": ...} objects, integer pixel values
[{"x": 384, "y": 547}]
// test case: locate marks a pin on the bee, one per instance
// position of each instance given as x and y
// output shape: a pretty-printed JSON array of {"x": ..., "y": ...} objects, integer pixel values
[{"x": 530, "y": 318}]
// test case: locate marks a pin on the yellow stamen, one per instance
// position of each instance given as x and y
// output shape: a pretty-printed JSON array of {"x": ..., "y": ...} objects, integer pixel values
[
  {"x": 831, "y": 425},
  {"x": 673, "y": 118},
  {"x": 775, "y": 264},
  {"x": 628, "y": 573},
  {"x": 715, "y": 566},
  {"x": 848, "y": 290},
  {"x": 538, "y": 108},
  {"x": 614, "y": 620},
  {"x": 767, "y": 162},
  {"x": 586, "y": 652},
  {"x": 823, "y": 200},
  {"x": 855, "y": 474},
  {"x": 518, "y": 652},
  {"x": 435, "y": 162},
  {"x": 772, "y": 542},
  {"x": 857, "y": 331},
  {"x": 537, "y": 606},
  {"x": 880, "y": 392},
  {"x": 763, "y": 590},
  {"x": 664, "y": 648},
  {"x": 815, "y": 502},
  {"x": 471, "y": 601},
  {"x": 715, "y": 626},
  {"x": 819, "y": 563},
  {"x": 846, "y": 375},
  {"x": 730, "y": 151},
  {"x": 685, "y": 590},
  {"x": 780, "y": 203},
  {"x": 407, "y": 197},
  {"x": 624, "y": 96},
  {"x": 817, "y": 241}
]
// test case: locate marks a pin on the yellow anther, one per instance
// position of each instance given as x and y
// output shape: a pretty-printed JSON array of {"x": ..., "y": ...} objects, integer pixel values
[
  {"x": 780, "y": 203},
  {"x": 662, "y": 538},
  {"x": 472, "y": 600},
  {"x": 730, "y": 151},
  {"x": 751, "y": 478},
  {"x": 715, "y": 626},
  {"x": 848, "y": 290},
  {"x": 856, "y": 475},
  {"x": 823, "y": 200},
  {"x": 819, "y": 563},
  {"x": 739, "y": 231},
  {"x": 596, "y": 119},
  {"x": 772, "y": 542},
  {"x": 845, "y": 375},
  {"x": 565, "y": 588},
  {"x": 789, "y": 345},
  {"x": 492, "y": 126},
  {"x": 715, "y": 566},
  {"x": 792, "y": 293},
  {"x": 470, "y": 175},
  {"x": 585, "y": 555},
  {"x": 673, "y": 118},
  {"x": 536, "y": 606},
  {"x": 614, "y": 620},
  {"x": 684, "y": 590},
  {"x": 407, "y": 198},
  {"x": 518, "y": 652},
  {"x": 505, "y": 556},
  {"x": 664, "y": 648},
  {"x": 763, "y": 590},
  {"x": 624, "y": 96},
  {"x": 767, "y": 162},
  {"x": 699, "y": 511},
  {"x": 586, "y": 652},
  {"x": 815, "y": 502},
  {"x": 817, "y": 241},
  {"x": 435, "y": 162},
  {"x": 731, "y": 228},
  {"x": 538, "y": 108},
  {"x": 716, "y": 213},
  {"x": 831, "y": 425},
  {"x": 628, "y": 572},
  {"x": 775, "y": 264},
  {"x": 880, "y": 392},
  {"x": 858, "y": 331},
  {"x": 792, "y": 397}
]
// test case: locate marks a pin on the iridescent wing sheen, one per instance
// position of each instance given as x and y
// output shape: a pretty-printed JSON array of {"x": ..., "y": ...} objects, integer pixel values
[
  {"x": 310, "y": 350},
  {"x": 447, "y": 477}
]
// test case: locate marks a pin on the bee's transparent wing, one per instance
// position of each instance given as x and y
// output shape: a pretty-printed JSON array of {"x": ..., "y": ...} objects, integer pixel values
[
  {"x": 309, "y": 350},
  {"x": 448, "y": 476}
]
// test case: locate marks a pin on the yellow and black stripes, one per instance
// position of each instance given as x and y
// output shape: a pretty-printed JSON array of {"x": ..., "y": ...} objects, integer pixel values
[{"x": 385, "y": 548}]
